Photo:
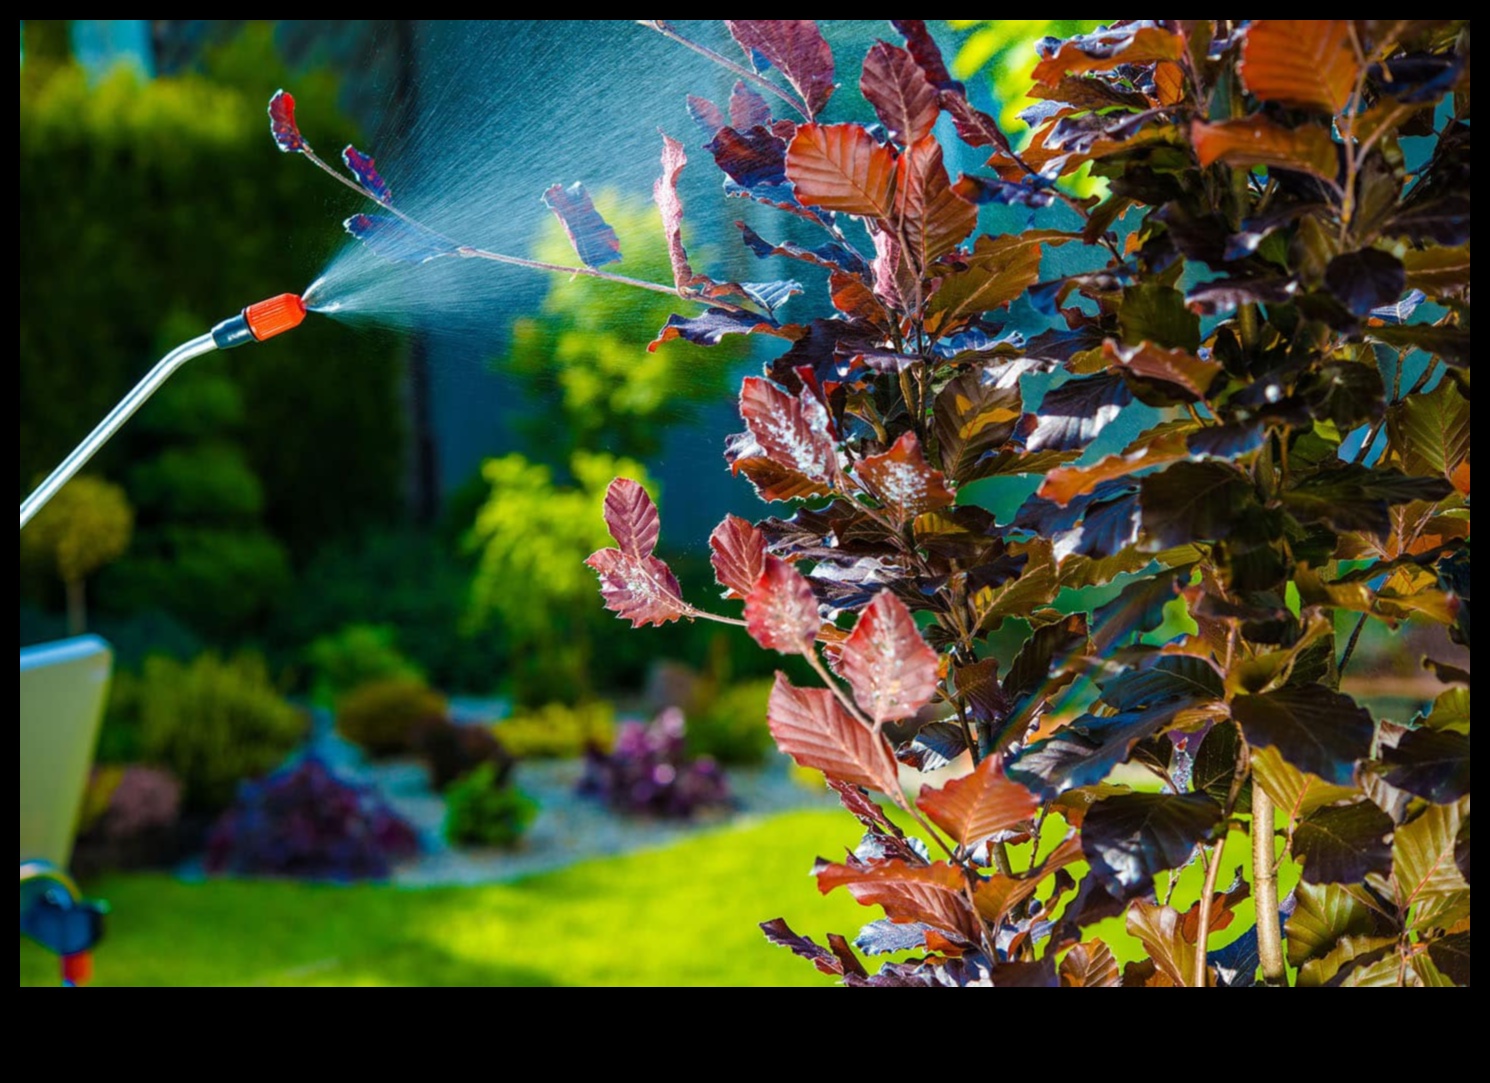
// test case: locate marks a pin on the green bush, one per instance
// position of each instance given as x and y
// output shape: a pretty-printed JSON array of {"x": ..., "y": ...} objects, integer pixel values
[
  {"x": 482, "y": 811},
  {"x": 356, "y": 655},
  {"x": 732, "y": 727},
  {"x": 383, "y": 716},
  {"x": 558, "y": 730},
  {"x": 214, "y": 722}
]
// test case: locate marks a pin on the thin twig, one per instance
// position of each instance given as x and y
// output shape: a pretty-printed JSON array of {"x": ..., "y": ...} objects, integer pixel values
[
  {"x": 725, "y": 62},
  {"x": 1202, "y": 968},
  {"x": 1350, "y": 643}
]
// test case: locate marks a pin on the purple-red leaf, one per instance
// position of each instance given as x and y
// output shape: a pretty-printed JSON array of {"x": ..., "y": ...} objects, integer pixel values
[
  {"x": 642, "y": 590},
  {"x": 781, "y": 610},
  {"x": 793, "y": 432},
  {"x": 398, "y": 240},
  {"x": 665, "y": 194},
  {"x": 903, "y": 98},
  {"x": 282, "y": 123},
  {"x": 594, "y": 241},
  {"x": 840, "y": 167},
  {"x": 706, "y": 115},
  {"x": 889, "y": 666},
  {"x": 930, "y": 894},
  {"x": 747, "y": 108},
  {"x": 901, "y": 480},
  {"x": 812, "y": 728},
  {"x": 709, "y": 328},
  {"x": 928, "y": 55},
  {"x": 751, "y": 158},
  {"x": 365, "y": 170},
  {"x": 979, "y": 805},
  {"x": 929, "y": 215},
  {"x": 796, "y": 48},
  {"x": 632, "y": 518},
  {"x": 738, "y": 553}
]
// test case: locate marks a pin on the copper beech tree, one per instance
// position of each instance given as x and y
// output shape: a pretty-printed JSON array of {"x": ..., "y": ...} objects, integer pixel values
[{"x": 1265, "y": 272}]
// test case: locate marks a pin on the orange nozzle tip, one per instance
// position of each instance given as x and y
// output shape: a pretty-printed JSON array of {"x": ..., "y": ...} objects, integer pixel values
[{"x": 275, "y": 315}]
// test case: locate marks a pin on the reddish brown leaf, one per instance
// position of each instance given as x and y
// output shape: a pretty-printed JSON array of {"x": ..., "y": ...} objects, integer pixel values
[
  {"x": 978, "y": 806},
  {"x": 889, "y": 665},
  {"x": 1159, "y": 929},
  {"x": 665, "y": 195},
  {"x": 773, "y": 481},
  {"x": 1250, "y": 141},
  {"x": 932, "y": 894},
  {"x": 1090, "y": 965},
  {"x": 854, "y": 299},
  {"x": 811, "y": 727},
  {"x": 738, "y": 553},
  {"x": 631, "y": 517},
  {"x": 901, "y": 480},
  {"x": 929, "y": 217},
  {"x": 840, "y": 167},
  {"x": 641, "y": 589},
  {"x": 997, "y": 272},
  {"x": 1222, "y": 911},
  {"x": 781, "y": 610},
  {"x": 1307, "y": 63},
  {"x": 1177, "y": 369},
  {"x": 792, "y": 431},
  {"x": 797, "y": 49},
  {"x": 1066, "y": 483},
  {"x": 903, "y": 98},
  {"x": 1106, "y": 49}
]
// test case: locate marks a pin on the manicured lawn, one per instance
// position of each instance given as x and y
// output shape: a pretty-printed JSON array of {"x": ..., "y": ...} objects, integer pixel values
[{"x": 685, "y": 915}]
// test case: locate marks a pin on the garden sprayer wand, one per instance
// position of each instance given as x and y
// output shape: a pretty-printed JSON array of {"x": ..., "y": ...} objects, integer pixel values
[{"x": 255, "y": 323}]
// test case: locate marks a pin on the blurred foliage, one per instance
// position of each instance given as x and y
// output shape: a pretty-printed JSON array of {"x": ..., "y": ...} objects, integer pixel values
[
  {"x": 130, "y": 819},
  {"x": 86, "y": 525},
  {"x": 149, "y": 212},
  {"x": 731, "y": 725},
  {"x": 383, "y": 716},
  {"x": 482, "y": 809},
  {"x": 650, "y": 773},
  {"x": 212, "y": 722},
  {"x": 451, "y": 750},
  {"x": 406, "y": 579},
  {"x": 532, "y": 536},
  {"x": 305, "y": 821},
  {"x": 355, "y": 655},
  {"x": 203, "y": 552},
  {"x": 558, "y": 730},
  {"x": 584, "y": 355}
]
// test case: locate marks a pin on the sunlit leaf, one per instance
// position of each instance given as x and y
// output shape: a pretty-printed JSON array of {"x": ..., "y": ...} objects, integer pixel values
[
  {"x": 1130, "y": 838},
  {"x": 884, "y": 936},
  {"x": 797, "y": 49},
  {"x": 1424, "y": 868},
  {"x": 1065, "y": 483},
  {"x": 978, "y": 806},
  {"x": 1296, "y": 793},
  {"x": 282, "y": 124},
  {"x": 641, "y": 589},
  {"x": 1179, "y": 373},
  {"x": 812, "y": 728},
  {"x": 780, "y": 933},
  {"x": 1431, "y": 431},
  {"x": 781, "y": 611},
  {"x": 1323, "y": 914},
  {"x": 1306, "y": 63},
  {"x": 631, "y": 517},
  {"x": 594, "y": 241},
  {"x": 1071, "y": 415},
  {"x": 1317, "y": 730},
  {"x": 903, "y": 98},
  {"x": 1350, "y": 954},
  {"x": 889, "y": 666},
  {"x": 974, "y": 414},
  {"x": 1256, "y": 140},
  {"x": 901, "y": 480},
  {"x": 665, "y": 195},
  {"x": 1090, "y": 965},
  {"x": 792, "y": 431},
  {"x": 1341, "y": 845},
  {"x": 737, "y": 551},
  {"x": 710, "y": 328},
  {"x": 840, "y": 167},
  {"x": 753, "y": 158},
  {"x": 831, "y": 255},
  {"x": 929, "y": 894},
  {"x": 929, "y": 217},
  {"x": 1159, "y": 929},
  {"x": 1105, "y": 49},
  {"x": 996, "y": 273}
]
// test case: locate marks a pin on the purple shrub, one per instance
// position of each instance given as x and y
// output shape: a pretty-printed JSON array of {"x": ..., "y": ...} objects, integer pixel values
[
  {"x": 146, "y": 799},
  {"x": 649, "y": 772},
  {"x": 305, "y": 821}
]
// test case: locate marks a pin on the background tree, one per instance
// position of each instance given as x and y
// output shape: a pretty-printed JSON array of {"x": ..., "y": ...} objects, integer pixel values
[{"x": 87, "y": 524}]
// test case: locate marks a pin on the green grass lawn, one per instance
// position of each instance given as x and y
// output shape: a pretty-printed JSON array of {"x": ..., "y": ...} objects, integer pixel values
[{"x": 686, "y": 915}]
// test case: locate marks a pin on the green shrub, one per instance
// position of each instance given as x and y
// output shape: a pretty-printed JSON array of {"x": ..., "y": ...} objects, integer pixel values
[
  {"x": 214, "y": 722},
  {"x": 482, "y": 811},
  {"x": 732, "y": 728},
  {"x": 557, "y": 730},
  {"x": 383, "y": 716},
  {"x": 353, "y": 656}
]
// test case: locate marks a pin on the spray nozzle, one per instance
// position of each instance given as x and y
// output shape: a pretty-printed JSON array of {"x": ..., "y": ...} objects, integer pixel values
[{"x": 257, "y": 322}]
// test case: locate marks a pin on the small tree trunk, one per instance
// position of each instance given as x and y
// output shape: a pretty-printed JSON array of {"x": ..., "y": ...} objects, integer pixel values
[
  {"x": 1265, "y": 888},
  {"x": 77, "y": 610}
]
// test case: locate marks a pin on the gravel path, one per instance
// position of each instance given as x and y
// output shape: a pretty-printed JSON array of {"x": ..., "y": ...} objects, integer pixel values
[{"x": 568, "y": 828}]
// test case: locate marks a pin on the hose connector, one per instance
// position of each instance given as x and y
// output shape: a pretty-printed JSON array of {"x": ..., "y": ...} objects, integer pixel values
[{"x": 260, "y": 321}]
